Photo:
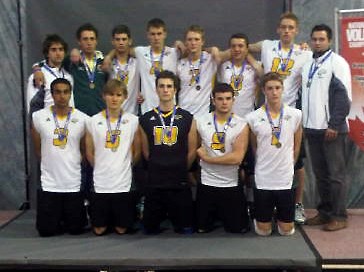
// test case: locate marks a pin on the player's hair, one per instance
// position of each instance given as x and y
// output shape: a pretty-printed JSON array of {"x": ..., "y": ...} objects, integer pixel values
[
  {"x": 239, "y": 36},
  {"x": 222, "y": 88},
  {"x": 51, "y": 39},
  {"x": 291, "y": 16},
  {"x": 197, "y": 29},
  {"x": 121, "y": 29},
  {"x": 271, "y": 76},
  {"x": 114, "y": 84},
  {"x": 170, "y": 75},
  {"x": 86, "y": 27},
  {"x": 323, "y": 27},
  {"x": 60, "y": 80},
  {"x": 157, "y": 23}
]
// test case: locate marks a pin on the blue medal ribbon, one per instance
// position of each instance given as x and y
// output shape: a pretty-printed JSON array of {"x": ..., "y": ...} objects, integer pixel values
[
  {"x": 280, "y": 54},
  {"x": 49, "y": 69},
  {"x": 226, "y": 125},
  {"x": 62, "y": 132},
  {"x": 237, "y": 79},
  {"x": 315, "y": 66},
  {"x": 196, "y": 76},
  {"x": 90, "y": 73},
  {"x": 108, "y": 123},
  {"x": 161, "y": 118},
  {"x": 276, "y": 131},
  {"x": 156, "y": 70},
  {"x": 122, "y": 73}
]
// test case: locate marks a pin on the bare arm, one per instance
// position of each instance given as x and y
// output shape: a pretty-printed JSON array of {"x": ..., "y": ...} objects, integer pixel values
[
  {"x": 144, "y": 143},
  {"x": 297, "y": 142},
  {"x": 192, "y": 144},
  {"x": 235, "y": 157},
  {"x": 107, "y": 62},
  {"x": 219, "y": 56},
  {"x": 136, "y": 146},
  {"x": 255, "y": 64},
  {"x": 180, "y": 46},
  {"x": 36, "y": 141},
  {"x": 255, "y": 47},
  {"x": 90, "y": 149}
]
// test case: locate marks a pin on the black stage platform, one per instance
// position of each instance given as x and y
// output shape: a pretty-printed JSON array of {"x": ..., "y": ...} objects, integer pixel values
[{"x": 21, "y": 248}]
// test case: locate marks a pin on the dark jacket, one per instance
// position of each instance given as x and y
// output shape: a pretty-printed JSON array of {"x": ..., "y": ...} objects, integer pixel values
[{"x": 339, "y": 105}]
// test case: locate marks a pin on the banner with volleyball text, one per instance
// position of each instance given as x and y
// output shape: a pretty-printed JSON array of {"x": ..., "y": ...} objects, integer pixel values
[{"x": 352, "y": 49}]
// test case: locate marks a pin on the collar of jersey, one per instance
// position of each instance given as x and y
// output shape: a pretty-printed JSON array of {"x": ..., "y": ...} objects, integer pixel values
[{"x": 165, "y": 114}]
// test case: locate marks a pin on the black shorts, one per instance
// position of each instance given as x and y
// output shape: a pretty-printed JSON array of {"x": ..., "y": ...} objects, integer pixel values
[
  {"x": 266, "y": 200},
  {"x": 112, "y": 209},
  {"x": 175, "y": 204},
  {"x": 227, "y": 203},
  {"x": 60, "y": 212}
]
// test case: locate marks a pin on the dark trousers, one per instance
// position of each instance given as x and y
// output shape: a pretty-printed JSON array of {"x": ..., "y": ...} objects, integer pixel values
[{"x": 329, "y": 167}]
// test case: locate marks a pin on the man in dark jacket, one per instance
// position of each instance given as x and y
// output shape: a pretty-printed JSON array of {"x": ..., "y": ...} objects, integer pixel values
[{"x": 326, "y": 95}]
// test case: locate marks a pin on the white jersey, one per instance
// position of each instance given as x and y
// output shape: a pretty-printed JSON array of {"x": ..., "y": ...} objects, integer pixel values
[
  {"x": 129, "y": 74},
  {"x": 146, "y": 71},
  {"x": 195, "y": 96},
  {"x": 48, "y": 77},
  {"x": 315, "y": 99},
  {"x": 274, "y": 167},
  {"x": 244, "y": 90},
  {"x": 112, "y": 169},
  {"x": 215, "y": 174},
  {"x": 60, "y": 158},
  {"x": 273, "y": 59}
]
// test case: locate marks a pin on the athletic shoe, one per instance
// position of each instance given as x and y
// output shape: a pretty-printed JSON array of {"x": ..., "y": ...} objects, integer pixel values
[{"x": 299, "y": 216}]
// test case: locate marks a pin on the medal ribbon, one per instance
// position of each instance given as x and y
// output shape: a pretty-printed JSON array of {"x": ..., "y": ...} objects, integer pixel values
[
  {"x": 280, "y": 54},
  {"x": 112, "y": 136},
  {"x": 49, "y": 69},
  {"x": 276, "y": 131},
  {"x": 90, "y": 73},
  {"x": 236, "y": 80},
  {"x": 160, "y": 60},
  {"x": 315, "y": 66},
  {"x": 226, "y": 125},
  {"x": 160, "y": 114},
  {"x": 62, "y": 135},
  {"x": 120, "y": 72},
  {"x": 192, "y": 68}
]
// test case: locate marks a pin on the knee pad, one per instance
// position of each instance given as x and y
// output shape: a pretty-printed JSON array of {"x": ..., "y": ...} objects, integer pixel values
[
  {"x": 286, "y": 233},
  {"x": 261, "y": 232}
]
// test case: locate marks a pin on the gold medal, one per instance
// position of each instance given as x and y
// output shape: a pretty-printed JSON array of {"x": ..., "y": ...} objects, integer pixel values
[
  {"x": 92, "y": 85},
  {"x": 275, "y": 140}
]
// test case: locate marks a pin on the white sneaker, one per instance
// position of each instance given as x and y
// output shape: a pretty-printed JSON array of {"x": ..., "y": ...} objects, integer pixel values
[{"x": 299, "y": 217}]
